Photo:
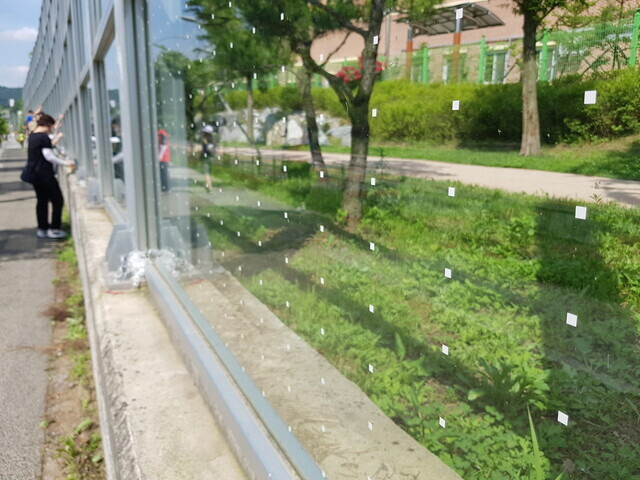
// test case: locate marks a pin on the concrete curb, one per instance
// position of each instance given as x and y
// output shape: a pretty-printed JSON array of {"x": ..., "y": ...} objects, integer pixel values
[{"x": 153, "y": 421}]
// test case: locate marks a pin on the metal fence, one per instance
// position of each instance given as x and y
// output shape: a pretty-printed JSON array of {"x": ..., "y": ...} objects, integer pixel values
[{"x": 601, "y": 47}]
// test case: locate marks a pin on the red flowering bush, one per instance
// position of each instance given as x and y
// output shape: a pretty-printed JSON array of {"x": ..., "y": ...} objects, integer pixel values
[{"x": 352, "y": 75}]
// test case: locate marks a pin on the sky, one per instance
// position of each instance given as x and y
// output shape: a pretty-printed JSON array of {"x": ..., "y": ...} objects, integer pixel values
[{"x": 19, "y": 21}]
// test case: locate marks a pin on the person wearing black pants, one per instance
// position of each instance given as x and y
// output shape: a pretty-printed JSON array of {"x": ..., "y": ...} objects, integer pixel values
[{"x": 40, "y": 166}]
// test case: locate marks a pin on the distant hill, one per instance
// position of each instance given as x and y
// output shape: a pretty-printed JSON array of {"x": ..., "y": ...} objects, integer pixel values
[{"x": 7, "y": 93}]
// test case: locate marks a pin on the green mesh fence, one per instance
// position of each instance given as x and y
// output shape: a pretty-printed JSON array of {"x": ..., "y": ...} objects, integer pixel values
[{"x": 598, "y": 48}]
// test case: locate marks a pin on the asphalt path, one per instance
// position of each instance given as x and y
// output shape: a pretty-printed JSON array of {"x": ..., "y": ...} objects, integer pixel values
[
  {"x": 27, "y": 269},
  {"x": 517, "y": 180}
]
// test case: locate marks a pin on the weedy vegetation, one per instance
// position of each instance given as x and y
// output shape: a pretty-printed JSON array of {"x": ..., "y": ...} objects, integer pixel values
[{"x": 519, "y": 264}]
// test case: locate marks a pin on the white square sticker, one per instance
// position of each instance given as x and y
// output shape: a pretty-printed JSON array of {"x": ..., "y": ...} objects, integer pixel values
[
  {"x": 373, "y": 181},
  {"x": 374, "y": 112},
  {"x": 459, "y": 13},
  {"x": 375, "y": 40},
  {"x": 321, "y": 174},
  {"x": 321, "y": 280},
  {"x": 442, "y": 422},
  {"x": 590, "y": 97},
  {"x": 372, "y": 246},
  {"x": 370, "y": 368},
  {"x": 322, "y": 228},
  {"x": 370, "y": 425},
  {"x": 452, "y": 191},
  {"x": 322, "y": 331},
  {"x": 445, "y": 349},
  {"x": 572, "y": 319},
  {"x": 581, "y": 213},
  {"x": 371, "y": 309},
  {"x": 563, "y": 418},
  {"x": 447, "y": 272},
  {"x": 455, "y": 105}
]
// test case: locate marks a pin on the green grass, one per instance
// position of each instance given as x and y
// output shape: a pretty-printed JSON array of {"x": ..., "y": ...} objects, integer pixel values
[
  {"x": 615, "y": 159},
  {"x": 519, "y": 263}
]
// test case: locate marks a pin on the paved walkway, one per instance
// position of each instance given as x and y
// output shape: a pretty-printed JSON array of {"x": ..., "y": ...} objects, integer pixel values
[
  {"x": 26, "y": 289},
  {"x": 534, "y": 182}
]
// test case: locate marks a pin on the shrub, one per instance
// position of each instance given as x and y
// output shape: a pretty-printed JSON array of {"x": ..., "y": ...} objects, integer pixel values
[{"x": 414, "y": 112}]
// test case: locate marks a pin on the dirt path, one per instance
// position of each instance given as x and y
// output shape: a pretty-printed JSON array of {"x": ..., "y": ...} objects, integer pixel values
[{"x": 517, "y": 180}]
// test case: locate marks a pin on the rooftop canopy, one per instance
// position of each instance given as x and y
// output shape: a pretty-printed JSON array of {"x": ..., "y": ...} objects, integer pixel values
[{"x": 444, "y": 19}]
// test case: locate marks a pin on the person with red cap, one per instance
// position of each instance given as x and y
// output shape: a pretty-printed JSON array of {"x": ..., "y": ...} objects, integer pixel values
[{"x": 164, "y": 157}]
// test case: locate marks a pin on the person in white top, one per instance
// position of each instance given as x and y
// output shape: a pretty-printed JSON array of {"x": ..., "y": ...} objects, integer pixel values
[{"x": 40, "y": 165}]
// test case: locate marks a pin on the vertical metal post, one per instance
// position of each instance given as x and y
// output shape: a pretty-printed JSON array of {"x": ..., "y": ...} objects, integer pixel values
[
  {"x": 409, "y": 58},
  {"x": 425, "y": 63},
  {"x": 483, "y": 60},
  {"x": 138, "y": 126},
  {"x": 543, "y": 57},
  {"x": 455, "y": 56},
  {"x": 634, "y": 40},
  {"x": 102, "y": 129},
  {"x": 85, "y": 133},
  {"x": 387, "y": 37}
]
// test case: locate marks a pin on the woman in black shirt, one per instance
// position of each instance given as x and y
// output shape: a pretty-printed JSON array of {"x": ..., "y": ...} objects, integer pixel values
[{"x": 41, "y": 170}]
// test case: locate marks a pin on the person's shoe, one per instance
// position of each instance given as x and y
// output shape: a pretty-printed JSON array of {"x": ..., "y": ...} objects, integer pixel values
[
  {"x": 55, "y": 233},
  {"x": 41, "y": 233}
]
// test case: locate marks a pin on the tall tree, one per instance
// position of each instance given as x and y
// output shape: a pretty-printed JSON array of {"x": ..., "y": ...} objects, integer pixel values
[
  {"x": 533, "y": 12},
  {"x": 238, "y": 50},
  {"x": 363, "y": 19},
  {"x": 299, "y": 25}
]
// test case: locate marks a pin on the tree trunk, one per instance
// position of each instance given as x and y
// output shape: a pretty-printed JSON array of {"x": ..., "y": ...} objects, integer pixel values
[
  {"x": 530, "y": 144},
  {"x": 359, "y": 115},
  {"x": 312, "y": 125},
  {"x": 249, "y": 122},
  {"x": 352, "y": 197}
]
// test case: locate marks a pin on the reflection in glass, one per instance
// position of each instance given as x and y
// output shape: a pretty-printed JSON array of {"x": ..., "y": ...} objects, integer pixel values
[
  {"x": 115, "y": 131},
  {"x": 491, "y": 317}
]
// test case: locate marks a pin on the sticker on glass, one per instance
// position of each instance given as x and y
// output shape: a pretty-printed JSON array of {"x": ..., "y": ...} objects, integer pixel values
[
  {"x": 590, "y": 97},
  {"x": 563, "y": 418}
]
